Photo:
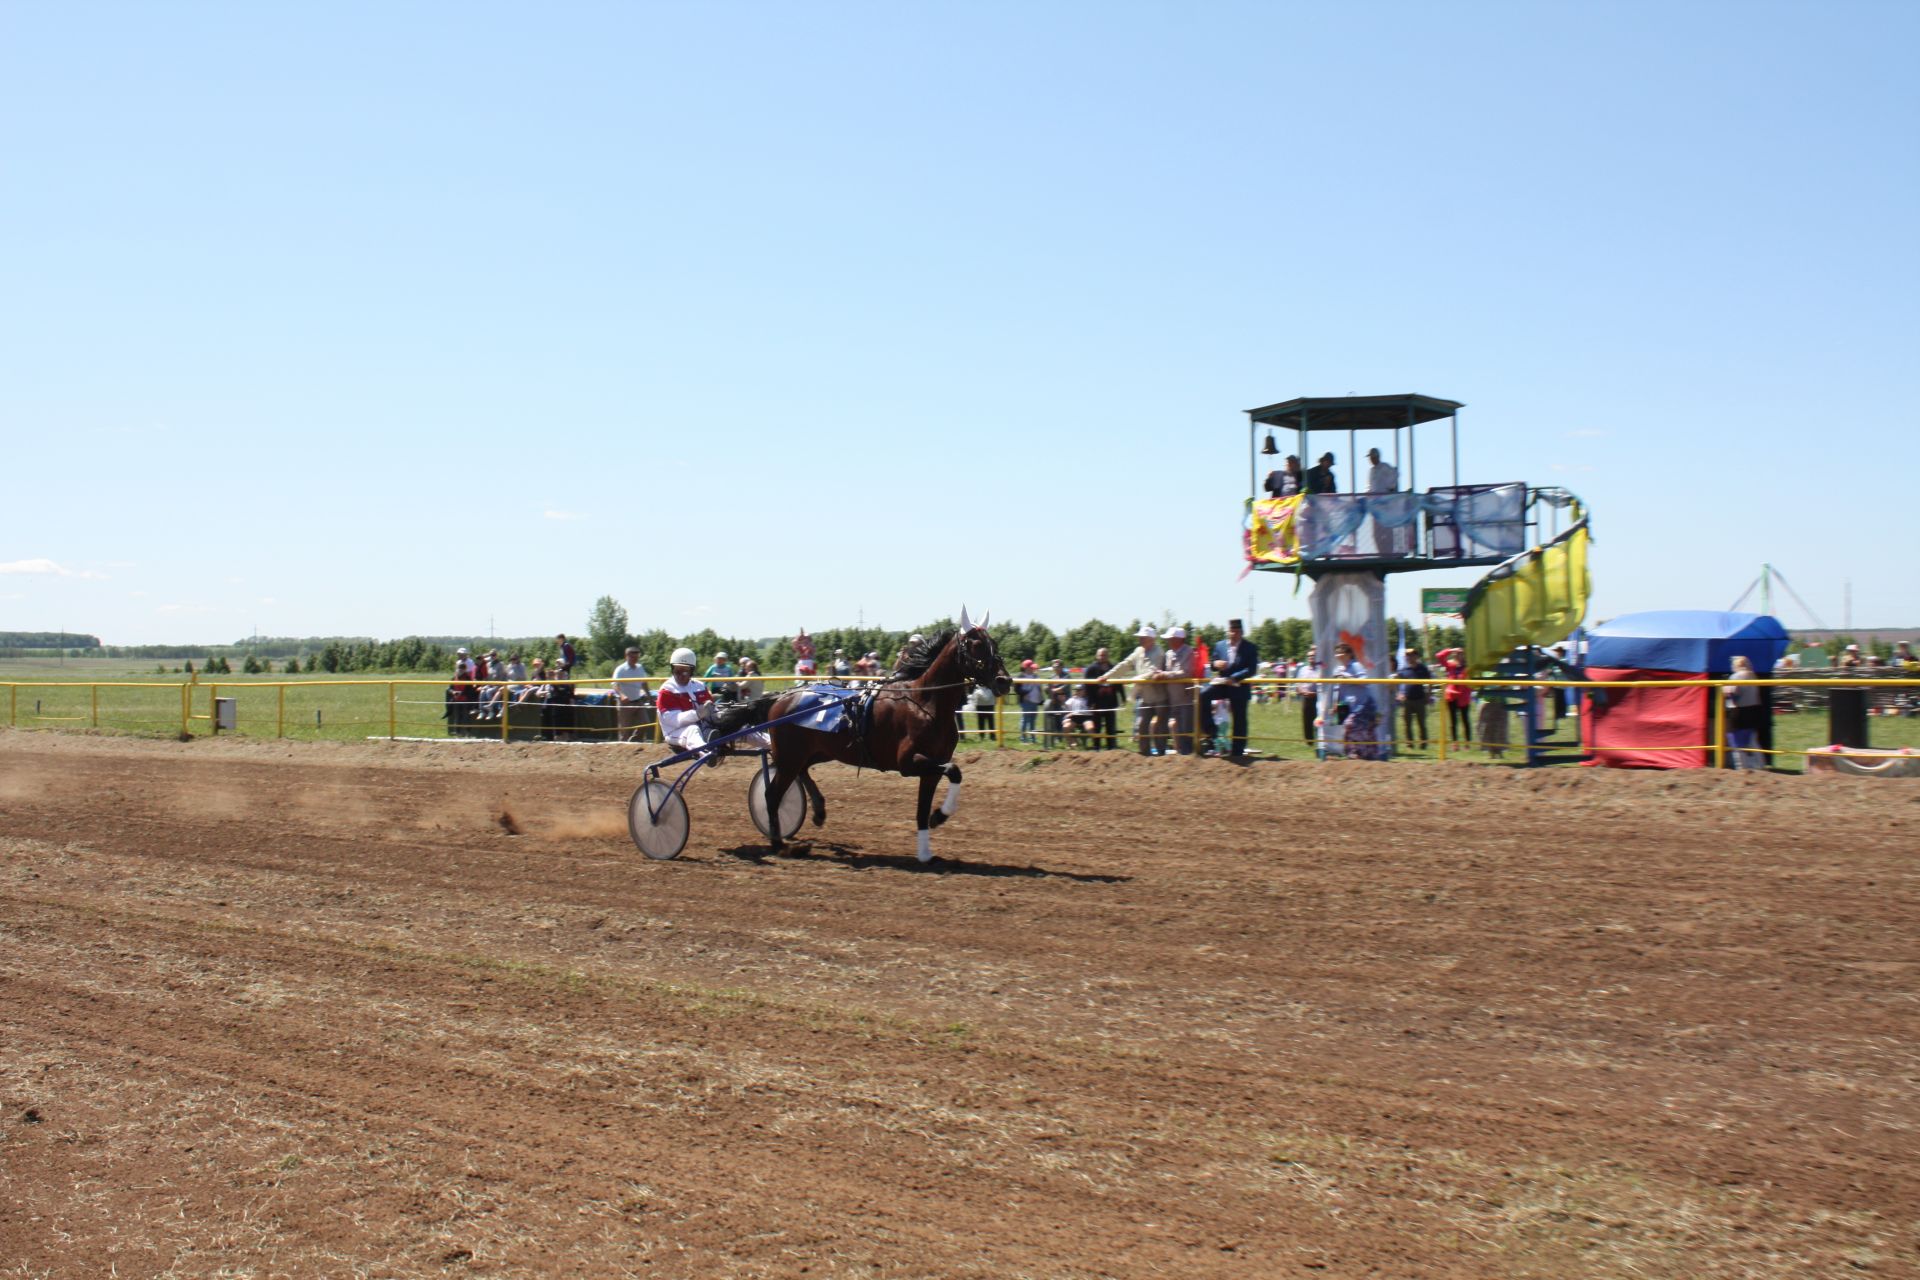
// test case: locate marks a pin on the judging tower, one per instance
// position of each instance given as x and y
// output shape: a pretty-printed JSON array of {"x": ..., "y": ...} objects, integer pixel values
[{"x": 1340, "y": 502}]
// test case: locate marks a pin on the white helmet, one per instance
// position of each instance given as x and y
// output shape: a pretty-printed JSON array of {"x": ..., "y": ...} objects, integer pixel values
[{"x": 682, "y": 657}]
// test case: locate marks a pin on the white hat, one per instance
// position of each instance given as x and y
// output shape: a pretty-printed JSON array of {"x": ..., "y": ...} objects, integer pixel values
[
  {"x": 1176, "y": 633},
  {"x": 721, "y": 656},
  {"x": 915, "y": 638},
  {"x": 1146, "y": 629},
  {"x": 681, "y": 657},
  {"x": 461, "y": 652},
  {"x": 1852, "y": 648}
]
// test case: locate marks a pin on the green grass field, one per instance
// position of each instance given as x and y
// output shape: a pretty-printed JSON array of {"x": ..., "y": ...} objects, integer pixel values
[{"x": 116, "y": 695}]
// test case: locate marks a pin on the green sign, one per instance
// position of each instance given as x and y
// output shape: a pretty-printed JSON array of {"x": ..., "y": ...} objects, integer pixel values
[{"x": 1450, "y": 601}]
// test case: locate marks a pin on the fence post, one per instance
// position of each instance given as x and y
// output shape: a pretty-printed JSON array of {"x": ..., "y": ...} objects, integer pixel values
[
  {"x": 1446, "y": 718},
  {"x": 1718, "y": 692},
  {"x": 95, "y": 690},
  {"x": 280, "y": 714},
  {"x": 506, "y": 701},
  {"x": 390, "y": 711},
  {"x": 186, "y": 709}
]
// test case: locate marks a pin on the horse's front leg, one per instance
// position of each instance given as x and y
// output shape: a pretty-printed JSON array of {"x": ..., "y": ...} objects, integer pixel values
[
  {"x": 951, "y": 772},
  {"x": 929, "y": 779}
]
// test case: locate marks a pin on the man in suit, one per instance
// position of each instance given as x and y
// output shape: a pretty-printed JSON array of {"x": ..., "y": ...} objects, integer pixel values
[{"x": 1238, "y": 661}]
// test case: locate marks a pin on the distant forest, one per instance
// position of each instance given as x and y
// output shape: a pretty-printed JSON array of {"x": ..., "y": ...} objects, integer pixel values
[{"x": 607, "y": 635}]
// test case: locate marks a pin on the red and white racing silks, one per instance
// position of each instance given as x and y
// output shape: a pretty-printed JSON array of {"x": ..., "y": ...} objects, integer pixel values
[{"x": 679, "y": 705}]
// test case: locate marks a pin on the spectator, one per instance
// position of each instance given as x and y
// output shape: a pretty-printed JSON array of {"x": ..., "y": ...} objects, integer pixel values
[
  {"x": 1903, "y": 655},
  {"x": 1077, "y": 718},
  {"x": 1459, "y": 697},
  {"x": 1382, "y": 477},
  {"x": 462, "y": 693},
  {"x": 983, "y": 710},
  {"x": 1414, "y": 698},
  {"x": 1239, "y": 661},
  {"x": 868, "y": 664},
  {"x": 1105, "y": 701},
  {"x": 1054, "y": 715},
  {"x": 1309, "y": 694},
  {"x": 560, "y": 719},
  {"x": 841, "y": 667},
  {"x": 1320, "y": 476},
  {"x": 722, "y": 672},
  {"x": 1032, "y": 695},
  {"x": 1143, "y": 666},
  {"x": 1355, "y": 730},
  {"x": 1850, "y": 656},
  {"x": 901, "y": 656},
  {"x": 1177, "y": 670},
  {"x": 1747, "y": 714},
  {"x": 632, "y": 697},
  {"x": 535, "y": 689},
  {"x": 1285, "y": 483},
  {"x": 803, "y": 651},
  {"x": 567, "y": 656},
  {"x": 751, "y": 684},
  {"x": 1562, "y": 670}
]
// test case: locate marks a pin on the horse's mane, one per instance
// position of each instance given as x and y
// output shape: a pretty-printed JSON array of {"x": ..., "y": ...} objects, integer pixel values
[{"x": 919, "y": 657}]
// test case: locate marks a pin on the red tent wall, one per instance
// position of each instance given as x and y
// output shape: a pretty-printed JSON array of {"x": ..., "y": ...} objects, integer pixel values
[{"x": 1646, "y": 728}]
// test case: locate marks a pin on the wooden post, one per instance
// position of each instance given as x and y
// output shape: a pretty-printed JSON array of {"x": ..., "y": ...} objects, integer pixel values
[
  {"x": 280, "y": 714},
  {"x": 95, "y": 690},
  {"x": 390, "y": 711},
  {"x": 186, "y": 709}
]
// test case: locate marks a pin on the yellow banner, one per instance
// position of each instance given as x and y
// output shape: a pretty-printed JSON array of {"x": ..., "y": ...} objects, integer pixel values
[
  {"x": 1272, "y": 537},
  {"x": 1539, "y": 600}
]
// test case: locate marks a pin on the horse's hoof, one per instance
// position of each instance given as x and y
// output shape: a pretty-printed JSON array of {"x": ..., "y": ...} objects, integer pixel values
[{"x": 935, "y": 819}]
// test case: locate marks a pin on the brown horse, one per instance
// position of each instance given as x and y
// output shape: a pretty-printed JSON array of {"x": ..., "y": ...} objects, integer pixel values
[{"x": 911, "y": 728}]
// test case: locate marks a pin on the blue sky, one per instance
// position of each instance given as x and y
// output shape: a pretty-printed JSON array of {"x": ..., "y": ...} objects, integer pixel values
[{"x": 390, "y": 319}]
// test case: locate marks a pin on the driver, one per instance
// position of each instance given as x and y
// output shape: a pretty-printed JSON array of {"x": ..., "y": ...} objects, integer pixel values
[{"x": 686, "y": 708}]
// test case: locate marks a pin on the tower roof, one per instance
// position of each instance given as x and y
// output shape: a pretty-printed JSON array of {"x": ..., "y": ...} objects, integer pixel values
[{"x": 1354, "y": 413}]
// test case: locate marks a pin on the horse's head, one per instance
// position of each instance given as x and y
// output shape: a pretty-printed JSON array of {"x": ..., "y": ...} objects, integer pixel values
[{"x": 980, "y": 661}]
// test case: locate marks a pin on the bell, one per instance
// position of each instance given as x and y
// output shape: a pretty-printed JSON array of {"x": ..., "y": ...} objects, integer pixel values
[{"x": 1269, "y": 447}]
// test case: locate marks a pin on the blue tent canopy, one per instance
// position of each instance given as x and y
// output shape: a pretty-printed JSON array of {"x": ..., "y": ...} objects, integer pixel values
[{"x": 1690, "y": 640}]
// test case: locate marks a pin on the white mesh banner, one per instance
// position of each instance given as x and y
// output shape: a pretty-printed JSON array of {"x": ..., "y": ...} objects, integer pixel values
[{"x": 1351, "y": 609}]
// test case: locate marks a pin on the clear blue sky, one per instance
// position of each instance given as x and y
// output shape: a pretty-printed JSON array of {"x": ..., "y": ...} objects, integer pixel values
[{"x": 390, "y": 319}]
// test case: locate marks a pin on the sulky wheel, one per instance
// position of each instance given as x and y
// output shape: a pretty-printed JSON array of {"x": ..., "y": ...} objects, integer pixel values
[
  {"x": 793, "y": 805},
  {"x": 657, "y": 819}
]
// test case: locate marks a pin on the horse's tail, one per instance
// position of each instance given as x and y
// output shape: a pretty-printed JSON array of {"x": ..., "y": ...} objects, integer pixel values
[{"x": 736, "y": 716}]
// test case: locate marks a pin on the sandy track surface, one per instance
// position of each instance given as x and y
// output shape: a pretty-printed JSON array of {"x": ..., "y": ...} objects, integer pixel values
[{"x": 306, "y": 1010}]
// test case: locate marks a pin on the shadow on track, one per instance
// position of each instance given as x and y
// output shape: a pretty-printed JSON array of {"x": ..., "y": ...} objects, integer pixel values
[{"x": 826, "y": 851}]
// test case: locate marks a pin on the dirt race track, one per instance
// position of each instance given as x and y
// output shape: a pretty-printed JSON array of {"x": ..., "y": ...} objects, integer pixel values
[{"x": 311, "y": 1010}]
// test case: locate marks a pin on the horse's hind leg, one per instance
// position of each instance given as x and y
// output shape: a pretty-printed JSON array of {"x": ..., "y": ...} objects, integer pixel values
[
  {"x": 783, "y": 777},
  {"x": 812, "y": 789}
]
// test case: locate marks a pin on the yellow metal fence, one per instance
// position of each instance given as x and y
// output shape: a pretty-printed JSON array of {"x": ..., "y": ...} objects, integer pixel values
[{"x": 420, "y": 708}]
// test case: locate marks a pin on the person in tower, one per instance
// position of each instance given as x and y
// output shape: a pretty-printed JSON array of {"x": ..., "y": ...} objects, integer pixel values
[{"x": 686, "y": 709}]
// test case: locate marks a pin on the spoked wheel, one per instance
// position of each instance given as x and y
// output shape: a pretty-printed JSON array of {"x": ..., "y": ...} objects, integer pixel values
[
  {"x": 793, "y": 805},
  {"x": 657, "y": 820}
]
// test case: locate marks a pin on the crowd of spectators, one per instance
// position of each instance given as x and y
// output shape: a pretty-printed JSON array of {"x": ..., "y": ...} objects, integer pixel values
[{"x": 1190, "y": 695}]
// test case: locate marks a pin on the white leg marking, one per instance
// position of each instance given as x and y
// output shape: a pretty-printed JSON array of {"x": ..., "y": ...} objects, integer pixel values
[
  {"x": 952, "y": 801},
  {"x": 925, "y": 852}
]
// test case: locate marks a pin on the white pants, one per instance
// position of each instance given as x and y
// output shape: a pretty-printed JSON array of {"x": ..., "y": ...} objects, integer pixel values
[{"x": 693, "y": 736}]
